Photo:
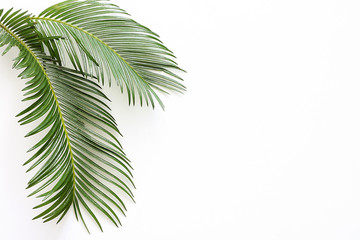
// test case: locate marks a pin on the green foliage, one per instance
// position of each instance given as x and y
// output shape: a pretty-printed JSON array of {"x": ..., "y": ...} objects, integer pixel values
[{"x": 79, "y": 161}]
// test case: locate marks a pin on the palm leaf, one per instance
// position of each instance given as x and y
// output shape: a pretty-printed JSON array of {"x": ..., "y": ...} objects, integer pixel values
[
  {"x": 102, "y": 40},
  {"x": 79, "y": 150}
]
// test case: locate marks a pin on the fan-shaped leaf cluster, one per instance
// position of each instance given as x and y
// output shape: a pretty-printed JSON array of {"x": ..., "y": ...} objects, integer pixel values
[{"x": 79, "y": 161}]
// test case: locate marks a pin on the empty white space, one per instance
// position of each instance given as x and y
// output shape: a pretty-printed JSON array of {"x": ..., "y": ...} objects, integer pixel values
[{"x": 265, "y": 144}]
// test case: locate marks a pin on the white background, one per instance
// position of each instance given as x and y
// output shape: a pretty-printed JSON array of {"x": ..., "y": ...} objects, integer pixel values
[{"x": 264, "y": 144}]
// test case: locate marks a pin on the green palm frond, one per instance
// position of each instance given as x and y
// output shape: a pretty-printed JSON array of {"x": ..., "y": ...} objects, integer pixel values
[
  {"x": 79, "y": 150},
  {"x": 102, "y": 40}
]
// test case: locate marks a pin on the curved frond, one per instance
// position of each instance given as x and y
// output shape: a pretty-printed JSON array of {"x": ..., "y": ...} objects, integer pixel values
[
  {"x": 79, "y": 149},
  {"x": 101, "y": 39}
]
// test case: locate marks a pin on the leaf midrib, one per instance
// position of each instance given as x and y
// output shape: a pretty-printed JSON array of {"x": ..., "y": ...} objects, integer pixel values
[
  {"x": 18, "y": 39},
  {"x": 102, "y": 42},
  {"x": 90, "y": 34}
]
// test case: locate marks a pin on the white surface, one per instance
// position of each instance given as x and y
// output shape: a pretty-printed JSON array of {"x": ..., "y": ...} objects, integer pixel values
[{"x": 264, "y": 145}]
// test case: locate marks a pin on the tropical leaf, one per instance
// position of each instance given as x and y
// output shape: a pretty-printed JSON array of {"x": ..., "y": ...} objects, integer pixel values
[
  {"x": 79, "y": 150},
  {"x": 102, "y": 40}
]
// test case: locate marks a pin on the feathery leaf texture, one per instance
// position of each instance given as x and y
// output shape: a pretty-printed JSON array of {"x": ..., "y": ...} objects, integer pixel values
[
  {"x": 79, "y": 161},
  {"x": 78, "y": 142},
  {"x": 101, "y": 39}
]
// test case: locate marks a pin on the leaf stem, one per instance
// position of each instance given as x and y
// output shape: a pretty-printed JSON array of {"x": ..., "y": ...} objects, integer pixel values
[
  {"x": 105, "y": 44},
  {"x": 53, "y": 93}
]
